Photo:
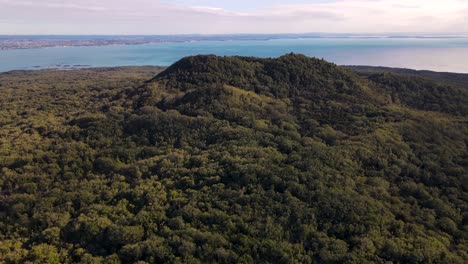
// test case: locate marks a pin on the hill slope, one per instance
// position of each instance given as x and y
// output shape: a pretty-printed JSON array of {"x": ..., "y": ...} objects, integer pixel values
[
  {"x": 238, "y": 160},
  {"x": 444, "y": 78}
]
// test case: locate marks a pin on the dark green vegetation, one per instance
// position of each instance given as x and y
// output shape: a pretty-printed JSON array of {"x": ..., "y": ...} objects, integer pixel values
[
  {"x": 232, "y": 160},
  {"x": 443, "y": 78}
]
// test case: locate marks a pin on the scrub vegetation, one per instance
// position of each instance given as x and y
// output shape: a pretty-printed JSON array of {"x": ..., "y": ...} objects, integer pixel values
[{"x": 233, "y": 160}]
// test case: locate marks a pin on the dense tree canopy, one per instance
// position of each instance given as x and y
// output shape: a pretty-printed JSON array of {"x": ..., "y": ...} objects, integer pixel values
[{"x": 232, "y": 160}]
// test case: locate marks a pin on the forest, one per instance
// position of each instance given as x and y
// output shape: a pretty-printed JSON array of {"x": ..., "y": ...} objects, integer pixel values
[{"x": 233, "y": 160}]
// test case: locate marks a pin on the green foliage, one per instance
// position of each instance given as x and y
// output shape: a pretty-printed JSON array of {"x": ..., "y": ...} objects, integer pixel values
[
  {"x": 232, "y": 160},
  {"x": 422, "y": 94}
]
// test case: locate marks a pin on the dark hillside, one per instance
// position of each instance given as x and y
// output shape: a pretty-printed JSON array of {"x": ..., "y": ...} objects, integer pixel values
[
  {"x": 286, "y": 76},
  {"x": 308, "y": 85}
]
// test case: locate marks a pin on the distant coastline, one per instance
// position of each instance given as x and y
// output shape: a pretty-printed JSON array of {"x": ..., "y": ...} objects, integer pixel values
[
  {"x": 445, "y": 54},
  {"x": 12, "y": 42}
]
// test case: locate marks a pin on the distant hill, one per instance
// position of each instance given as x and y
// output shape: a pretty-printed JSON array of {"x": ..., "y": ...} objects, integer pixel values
[{"x": 233, "y": 160}]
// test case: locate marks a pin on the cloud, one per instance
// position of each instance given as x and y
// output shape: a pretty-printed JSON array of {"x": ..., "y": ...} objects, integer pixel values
[
  {"x": 156, "y": 17},
  {"x": 52, "y": 5}
]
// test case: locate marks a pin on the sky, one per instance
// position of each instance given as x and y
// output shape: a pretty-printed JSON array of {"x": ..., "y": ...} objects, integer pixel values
[{"x": 154, "y": 17}]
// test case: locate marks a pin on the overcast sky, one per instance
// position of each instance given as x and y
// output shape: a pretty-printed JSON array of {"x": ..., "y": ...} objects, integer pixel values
[{"x": 236, "y": 16}]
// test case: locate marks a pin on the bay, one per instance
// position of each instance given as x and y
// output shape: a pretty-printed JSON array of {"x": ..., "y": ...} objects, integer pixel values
[{"x": 437, "y": 54}]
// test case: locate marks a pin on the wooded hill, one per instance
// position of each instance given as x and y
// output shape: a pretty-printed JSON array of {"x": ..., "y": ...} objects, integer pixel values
[{"x": 232, "y": 160}]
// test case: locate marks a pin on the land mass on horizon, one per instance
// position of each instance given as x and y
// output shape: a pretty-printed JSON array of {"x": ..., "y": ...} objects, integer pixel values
[{"x": 8, "y": 42}]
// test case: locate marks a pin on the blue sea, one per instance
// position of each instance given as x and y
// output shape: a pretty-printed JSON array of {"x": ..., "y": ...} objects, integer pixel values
[{"x": 437, "y": 54}]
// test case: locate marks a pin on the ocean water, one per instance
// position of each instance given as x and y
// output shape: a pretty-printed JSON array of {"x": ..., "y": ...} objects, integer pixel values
[{"x": 437, "y": 54}]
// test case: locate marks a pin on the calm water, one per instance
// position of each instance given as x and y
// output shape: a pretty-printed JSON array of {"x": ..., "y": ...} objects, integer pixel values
[{"x": 429, "y": 54}]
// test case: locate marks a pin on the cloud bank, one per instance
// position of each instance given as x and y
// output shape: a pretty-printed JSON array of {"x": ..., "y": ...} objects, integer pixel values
[{"x": 156, "y": 17}]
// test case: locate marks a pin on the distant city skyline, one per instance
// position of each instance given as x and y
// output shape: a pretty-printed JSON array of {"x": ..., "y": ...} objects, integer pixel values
[{"x": 149, "y": 17}]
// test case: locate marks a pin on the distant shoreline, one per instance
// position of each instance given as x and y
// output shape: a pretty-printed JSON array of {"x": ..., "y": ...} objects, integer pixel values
[
  {"x": 442, "y": 55},
  {"x": 22, "y": 42}
]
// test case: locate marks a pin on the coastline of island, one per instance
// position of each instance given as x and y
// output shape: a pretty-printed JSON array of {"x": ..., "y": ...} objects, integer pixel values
[{"x": 12, "y": 42}]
